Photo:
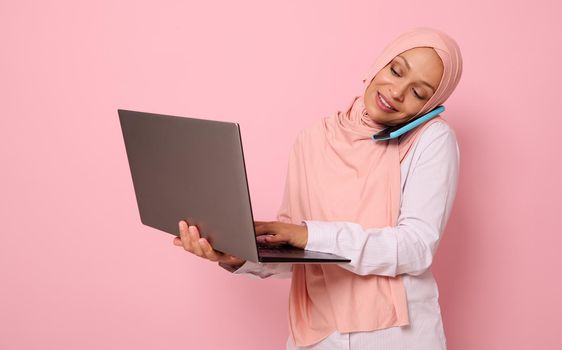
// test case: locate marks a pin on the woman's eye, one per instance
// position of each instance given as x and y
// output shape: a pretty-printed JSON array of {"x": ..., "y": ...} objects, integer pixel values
[
  {"x": 416, "y": 93},
  {"x": 393, "y": 71}
]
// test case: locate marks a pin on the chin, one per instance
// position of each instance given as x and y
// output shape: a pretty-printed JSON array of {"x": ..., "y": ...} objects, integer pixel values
[
  {"x": 378, "y": 119},
  {"x": 376, "y": 115}
]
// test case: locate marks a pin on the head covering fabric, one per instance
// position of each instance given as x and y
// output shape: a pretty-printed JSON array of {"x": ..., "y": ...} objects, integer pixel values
[
  {"x": 445, "y": 46},
  {"x": 337, "y": 172}
]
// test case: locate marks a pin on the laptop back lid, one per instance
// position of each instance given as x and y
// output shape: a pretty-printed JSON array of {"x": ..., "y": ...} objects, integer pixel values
[{"x": 192, "y": 169}]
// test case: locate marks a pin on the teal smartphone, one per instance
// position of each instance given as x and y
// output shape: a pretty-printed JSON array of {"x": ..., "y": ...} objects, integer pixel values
[{"x": 393, "y": 132}]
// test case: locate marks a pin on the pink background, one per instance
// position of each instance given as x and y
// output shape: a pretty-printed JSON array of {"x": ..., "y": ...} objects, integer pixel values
[{"x": 79, "y": 271}]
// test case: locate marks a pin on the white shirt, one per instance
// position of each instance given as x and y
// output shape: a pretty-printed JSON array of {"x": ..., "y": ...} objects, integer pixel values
[{"x": 429, "y": 176}]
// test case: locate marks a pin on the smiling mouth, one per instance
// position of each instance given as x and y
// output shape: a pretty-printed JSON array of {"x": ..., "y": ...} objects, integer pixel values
[{"x": 384, "y": 104}]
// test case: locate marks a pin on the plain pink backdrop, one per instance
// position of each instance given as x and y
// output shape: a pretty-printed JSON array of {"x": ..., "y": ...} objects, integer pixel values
[{"x": 79, "y": 271}]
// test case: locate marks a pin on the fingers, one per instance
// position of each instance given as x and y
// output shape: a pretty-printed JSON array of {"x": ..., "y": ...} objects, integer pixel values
[
  {"x": 193, "y": 243},
  {"x": 274, "y": 230},
  {"x": 189, "y": 237},
  {"x": 194, "y": 236},
  {"x": 276, "y": 238},
  {"x": 182, "y": 227},
  {"x": 177, "y": 241},
  {"x": 208, "y": 251},
  {"x": 261, "y": 227},
  {"x": 184, "y": 236}
]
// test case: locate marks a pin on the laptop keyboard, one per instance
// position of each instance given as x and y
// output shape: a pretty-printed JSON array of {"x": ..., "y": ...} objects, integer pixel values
[{"x": 284, "y": 248}]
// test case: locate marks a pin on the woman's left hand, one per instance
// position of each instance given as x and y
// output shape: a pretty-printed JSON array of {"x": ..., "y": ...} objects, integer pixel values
[{"x": 295, "y": 235}]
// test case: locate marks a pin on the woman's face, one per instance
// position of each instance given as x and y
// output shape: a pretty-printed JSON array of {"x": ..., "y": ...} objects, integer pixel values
[{"x": 406, "y": 83}]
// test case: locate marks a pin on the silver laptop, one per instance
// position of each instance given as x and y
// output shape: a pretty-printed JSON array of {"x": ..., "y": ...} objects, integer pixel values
[{"x": 193, "y": 169}]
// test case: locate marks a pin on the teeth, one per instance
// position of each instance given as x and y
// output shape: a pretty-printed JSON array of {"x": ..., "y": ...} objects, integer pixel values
[{"x": 384, "y": 102}]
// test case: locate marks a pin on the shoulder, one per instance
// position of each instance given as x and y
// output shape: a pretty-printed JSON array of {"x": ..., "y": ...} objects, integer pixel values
[
  {"x": 437, "y": 141},
  {"x": 299, "y": 140},
  {"x": 310, "y": 133},
  {"x": 438, "y": 130},
  {"x": 438, "y": 133}
]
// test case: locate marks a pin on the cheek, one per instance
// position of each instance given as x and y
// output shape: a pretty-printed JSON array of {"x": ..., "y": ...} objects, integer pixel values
[
  {"x": 385, "y": 76},
  {"x": 374, "y": 86},
  {"x": 414, "y": 104},
  {"x": 379, "y": 82}
]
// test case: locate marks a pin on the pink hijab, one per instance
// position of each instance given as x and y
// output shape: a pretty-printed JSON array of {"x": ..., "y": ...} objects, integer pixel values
[{"x": 337, "y": 172}]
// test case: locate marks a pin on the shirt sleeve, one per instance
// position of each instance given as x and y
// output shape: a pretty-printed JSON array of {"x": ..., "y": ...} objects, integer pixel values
[
  {"x": 260, "y": 271},
  {"x": 426, "y": 202}
]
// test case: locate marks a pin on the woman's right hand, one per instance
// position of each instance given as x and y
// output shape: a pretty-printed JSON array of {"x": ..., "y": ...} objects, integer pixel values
[{"x": 191, "y": 241}]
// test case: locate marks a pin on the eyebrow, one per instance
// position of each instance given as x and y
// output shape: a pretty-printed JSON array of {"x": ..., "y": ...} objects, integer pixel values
[{"x": 408, "y": 65}]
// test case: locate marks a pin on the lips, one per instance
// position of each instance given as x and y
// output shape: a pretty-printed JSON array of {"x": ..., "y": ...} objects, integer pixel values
[{"x": 384, "y": 104}]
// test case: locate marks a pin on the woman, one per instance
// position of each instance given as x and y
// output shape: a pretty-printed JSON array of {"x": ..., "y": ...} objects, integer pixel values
[{"x": 384, "y": 205}]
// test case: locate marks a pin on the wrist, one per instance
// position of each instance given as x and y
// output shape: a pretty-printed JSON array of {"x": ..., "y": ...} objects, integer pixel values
[{"x": 303, "y": 235}]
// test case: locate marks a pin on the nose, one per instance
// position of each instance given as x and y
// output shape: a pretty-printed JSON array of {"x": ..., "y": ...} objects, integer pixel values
[{"x": 398, "y": 90}]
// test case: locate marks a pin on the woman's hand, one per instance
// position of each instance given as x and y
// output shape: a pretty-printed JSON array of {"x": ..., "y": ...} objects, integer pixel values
[
  {"x": 295, "y": 235},
  {"x": 190, "y": 240}
]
